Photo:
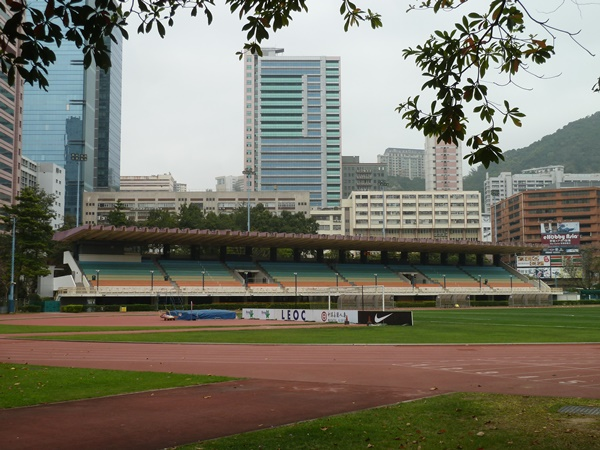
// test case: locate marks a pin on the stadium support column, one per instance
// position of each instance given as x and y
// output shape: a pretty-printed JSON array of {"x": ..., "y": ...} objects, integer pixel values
[
  {"x": 444, "y": 258},
  {"x": 424, "y": 258},
  {"x": 320, "y": 257},
  {"x": 404, "y": 257},
  {"x": 222, "y": 252},
  {"x": 273, "y": 254},
  {"x": 479, "y": 259},
  {"x": 248, "y": 250},
  {"x": 497, "y": 259},
  {"x": 296, "y": 252},
  {"x": 342, "y": 255},
  {"x": 385, "y": 257},
  {"x": 167, "y": 251},
  {"x": 363, "y": 256},
  {"x": 462, "y": 259}
]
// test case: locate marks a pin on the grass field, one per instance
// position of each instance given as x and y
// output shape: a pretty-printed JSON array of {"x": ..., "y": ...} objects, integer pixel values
[
  {"x": 26, "y": 385},
  {"x": 453, "y": 326}
]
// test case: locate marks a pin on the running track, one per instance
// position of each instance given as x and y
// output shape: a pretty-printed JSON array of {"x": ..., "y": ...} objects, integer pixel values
[{"x": 282, "y": 384}]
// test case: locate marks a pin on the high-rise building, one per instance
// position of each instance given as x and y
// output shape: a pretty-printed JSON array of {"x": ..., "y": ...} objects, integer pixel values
[
  {"x": 76, "y": 123},
  {"x": 403, "y": 162},
  {"x": 443, "y": 166},
  {"x": 357, "y": 176},
  {"x": 550, "y": 177},
  {"x": 11, "y": 106},
  {"x": 292, "y": 125}
]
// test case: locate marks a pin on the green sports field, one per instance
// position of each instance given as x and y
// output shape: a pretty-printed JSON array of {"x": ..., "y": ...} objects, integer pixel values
[{"x": 452, "y": 326}]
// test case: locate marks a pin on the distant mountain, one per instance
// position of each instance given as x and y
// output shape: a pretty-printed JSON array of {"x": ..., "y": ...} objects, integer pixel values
[{"x": 575, "y": 146}]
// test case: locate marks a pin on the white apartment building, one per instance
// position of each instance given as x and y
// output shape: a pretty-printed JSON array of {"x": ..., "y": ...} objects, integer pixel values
[
  {"x": 138, "y": 204},
  {"x": 443, "y": 166},
  {"x": 50, "y": 178},
  {"x": 330, "y": 220},
  {"x": 164, "y": 182},
  {"x": 403, "y": 162},
  {"x": 406, "y": 214},
  {"x": 549, "y": 177},
  {"x": 227, "y": 183}
]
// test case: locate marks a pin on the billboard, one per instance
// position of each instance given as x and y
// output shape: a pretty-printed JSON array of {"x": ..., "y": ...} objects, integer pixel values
[
  {"x": 558, "y": 235},
  {"x": 533, "y": 261}
]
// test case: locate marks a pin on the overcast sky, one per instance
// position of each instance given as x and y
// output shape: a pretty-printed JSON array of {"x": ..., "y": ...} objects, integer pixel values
[{"x": 183, "y": 103}]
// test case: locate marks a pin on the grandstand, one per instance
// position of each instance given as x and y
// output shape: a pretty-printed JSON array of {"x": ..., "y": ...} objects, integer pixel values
[{"x": 114, "y": 271}]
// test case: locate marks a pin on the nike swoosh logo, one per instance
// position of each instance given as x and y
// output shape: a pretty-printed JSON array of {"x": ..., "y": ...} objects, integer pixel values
[{"x": 381, "y": 319}]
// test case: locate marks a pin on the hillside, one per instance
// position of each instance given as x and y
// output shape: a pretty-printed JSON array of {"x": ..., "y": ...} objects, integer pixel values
[{"x": 575, "y": 146}]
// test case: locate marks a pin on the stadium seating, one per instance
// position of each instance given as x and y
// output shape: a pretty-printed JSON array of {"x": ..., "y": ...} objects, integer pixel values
[
  {"x": 364, "y": 275},
  {"x": 308, "y": 274},
  {"x": 448, "y": 276},
  {"x": 498, "y": 277},
  {"x": 190, "y": 273},
  {"x": 125, "y": 274}
]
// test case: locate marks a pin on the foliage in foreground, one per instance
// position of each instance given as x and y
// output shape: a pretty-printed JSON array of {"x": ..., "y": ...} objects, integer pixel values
[
  {"x": 25, "y": 385},
  {"x": 456, "y": 421}
]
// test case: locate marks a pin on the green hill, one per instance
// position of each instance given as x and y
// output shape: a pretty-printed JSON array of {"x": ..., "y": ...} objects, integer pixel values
[{"x": 575, "y": 146}]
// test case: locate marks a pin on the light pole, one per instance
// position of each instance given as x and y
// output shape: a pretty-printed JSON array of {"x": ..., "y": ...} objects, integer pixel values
[
  {"x": 151, "y": 280},
  {"x": 203, "y": 273},
  {"x": 11, "y": 289},
  {"x": 79, "y": 157},
  {"x": 97, "y": 280},
  {"x": 444, "y": 281},
  {"x": 375, "y": 275},
  {"x": 296, "y": 287},
  {"x": 248, "y": 172}
]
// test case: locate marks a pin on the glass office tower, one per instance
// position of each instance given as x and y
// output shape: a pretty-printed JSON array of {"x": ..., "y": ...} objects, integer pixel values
[
  {"x": 292, "y": 125},
  {"x": 76, "y": 123}
]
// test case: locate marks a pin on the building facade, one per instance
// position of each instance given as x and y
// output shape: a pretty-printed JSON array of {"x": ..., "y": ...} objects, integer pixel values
[
  {"x": 230, "y": 183},
  {"x": 518, "y": 217},
  {"x": 408, "y": 214},
  {"x": 138, "y": 204},
  {"x": 164, "y": 182},
  {"x": 76, "y": 123},
  {"x": 442, "y": 166},
  {"x": 357, "y": 176},
  {"x": 11, "y": 108},
  {"x": 292, "y": 125},
  {"x": 550, "y": 177},
  {"x": 404, "y": 162},
  {"x": 49, "y": 178}
]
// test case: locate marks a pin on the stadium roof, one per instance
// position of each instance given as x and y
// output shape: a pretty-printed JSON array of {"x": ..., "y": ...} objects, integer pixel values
[{"x": 176, "y": 236}]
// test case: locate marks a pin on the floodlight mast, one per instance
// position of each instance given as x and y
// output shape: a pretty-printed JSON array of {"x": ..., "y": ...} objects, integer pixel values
[
  {"x": 248, "y": 172},
  {"x": 11, "y": 289}
]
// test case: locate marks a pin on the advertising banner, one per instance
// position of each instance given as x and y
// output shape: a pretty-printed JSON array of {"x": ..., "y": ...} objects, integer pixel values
[
  {"x": 560, "y": 234},
  {"x": 533, "y": 261},
  {"x": 301, "y": 315},
  {"x": 385, "y": 317}
]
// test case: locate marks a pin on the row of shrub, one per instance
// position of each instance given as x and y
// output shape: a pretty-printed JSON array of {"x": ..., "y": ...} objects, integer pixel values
[
  {"x": 105, "y": 308},
  {"x": 278, "y": 305}
]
